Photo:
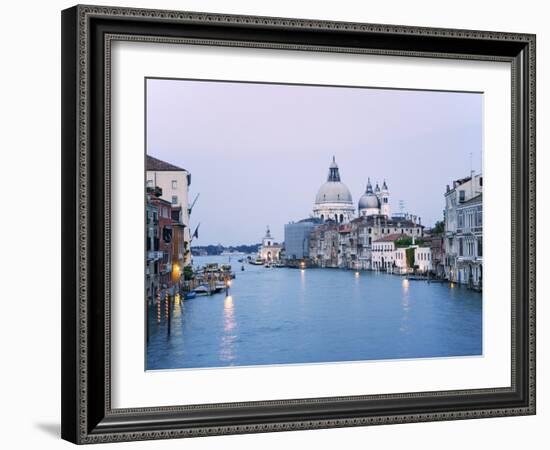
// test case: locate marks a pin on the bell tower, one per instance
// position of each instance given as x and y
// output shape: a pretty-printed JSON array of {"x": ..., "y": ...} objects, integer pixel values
[{"x": 385, "y": 200}]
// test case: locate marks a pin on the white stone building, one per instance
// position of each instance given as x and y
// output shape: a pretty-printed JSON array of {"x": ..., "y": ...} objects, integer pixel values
[
  {"x": 174, "y": 182},
  {"x": 333, "y": 200},
  {"x": 464, "y": 232},
  {"x": 384, "y": 253},
  {"x": 387, "y": 256},
  {"x": 269, "y": 250}
]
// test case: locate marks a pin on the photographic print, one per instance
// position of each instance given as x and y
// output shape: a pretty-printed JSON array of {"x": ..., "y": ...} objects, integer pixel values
[{"x": 302, "y": 224}]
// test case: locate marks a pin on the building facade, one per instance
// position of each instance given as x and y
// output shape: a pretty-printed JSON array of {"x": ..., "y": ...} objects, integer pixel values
[
  {"x": 297, "y": 239},
  {"x": 174, "y": 183},
  {"x": 392, "y": 254},
  {"x": 464, "y": 232},
  {"x": 270, "y": 251}
]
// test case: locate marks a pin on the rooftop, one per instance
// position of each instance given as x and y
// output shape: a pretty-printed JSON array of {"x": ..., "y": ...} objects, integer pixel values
[
  {"x": 390, "y": 238},
  {"x": 477, "y": 199},
  {"x": 158, "y": 165}
]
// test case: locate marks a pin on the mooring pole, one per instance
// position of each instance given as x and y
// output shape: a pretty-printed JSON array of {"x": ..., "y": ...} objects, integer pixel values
[{"x": 168, "y": 312}]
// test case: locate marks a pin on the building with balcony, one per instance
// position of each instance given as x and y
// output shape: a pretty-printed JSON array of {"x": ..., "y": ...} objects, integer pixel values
[
  {"x": 463, "y": 244},
  {"x": 174, "y": 183}
]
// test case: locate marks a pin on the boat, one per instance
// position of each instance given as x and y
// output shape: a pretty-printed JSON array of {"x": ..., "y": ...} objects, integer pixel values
[
  {"x": 201, "y": 290},
  {"x": 257, "y": 262},
  {"x": 190, "y": 295},
  {"x": 220, "y": 286}
]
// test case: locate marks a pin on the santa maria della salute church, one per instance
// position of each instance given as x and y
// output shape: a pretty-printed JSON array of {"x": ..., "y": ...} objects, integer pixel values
[
  {"x": 338, "y": 235},
  {"x": 334, "y": 201}
]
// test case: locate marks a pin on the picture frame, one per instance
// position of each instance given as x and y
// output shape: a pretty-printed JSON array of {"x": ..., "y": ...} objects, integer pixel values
[{"x": 87, "y": 412}]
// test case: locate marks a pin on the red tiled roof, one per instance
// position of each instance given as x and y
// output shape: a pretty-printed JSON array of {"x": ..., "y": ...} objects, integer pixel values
[
  {"x": 392, "y": 237},
  {"x": 158, "y": 165}
]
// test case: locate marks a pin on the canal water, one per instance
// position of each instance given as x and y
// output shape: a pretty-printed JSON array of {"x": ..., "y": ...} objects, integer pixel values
[{"x": 289, "y": 316}]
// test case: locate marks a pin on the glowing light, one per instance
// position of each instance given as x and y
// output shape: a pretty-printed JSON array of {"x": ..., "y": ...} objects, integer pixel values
[
  {"x": 452, "y": 285},
  {"x": 405, "y": 284},
  {"x": 228, "y": 283},
  {"x": 357, "y": 274},
  {"x": 302, "y": 265}
]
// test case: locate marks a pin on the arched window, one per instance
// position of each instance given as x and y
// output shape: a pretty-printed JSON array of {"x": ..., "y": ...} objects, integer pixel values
[
  {"x": 341, "y": 218},
  {"x": 322, "y": 217}
]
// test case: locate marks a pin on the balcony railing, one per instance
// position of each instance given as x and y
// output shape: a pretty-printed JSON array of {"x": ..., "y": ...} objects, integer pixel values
[{"x": 154, "y": 256}]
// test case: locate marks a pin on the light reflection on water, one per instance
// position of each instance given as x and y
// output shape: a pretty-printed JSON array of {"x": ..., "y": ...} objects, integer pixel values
[{"x": 281, "y": 316}]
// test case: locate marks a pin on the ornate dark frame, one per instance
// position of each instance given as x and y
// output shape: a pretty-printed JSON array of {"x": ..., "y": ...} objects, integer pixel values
[{"x": 87, "y": 31}]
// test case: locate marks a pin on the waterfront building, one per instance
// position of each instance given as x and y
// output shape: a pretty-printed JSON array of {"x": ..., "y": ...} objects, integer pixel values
[
  {"x": 269, "y": 250},
  {"x": 384, "y": 252},
  {"x": 174, "y": 183},
  {"x": 464, "y": 231},
  {"x": 349, "y": 245},
  {"x": 297, "y": 239},
  {"x": 393, "y": 253},
  {"x": 437, "y": 246},
  {"x": 163, "y": 237},
  {"x": 333, "y": 200},
  {"x": 151, "y": 247},
  {"x": 324, "y": 244},
  {"x": 374, "y": 227}
]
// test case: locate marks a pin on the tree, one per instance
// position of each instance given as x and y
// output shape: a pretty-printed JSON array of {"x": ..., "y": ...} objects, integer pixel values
[
  {"x": 409, "y": 252},
  {"x": 439, "y": 227},
  {"x": 187, "y": 273}
]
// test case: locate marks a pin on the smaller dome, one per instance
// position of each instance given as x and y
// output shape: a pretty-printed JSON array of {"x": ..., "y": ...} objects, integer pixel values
[{"x": 369, "y": 201}]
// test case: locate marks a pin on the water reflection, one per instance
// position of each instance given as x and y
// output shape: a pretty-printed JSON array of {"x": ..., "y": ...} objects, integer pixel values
[
  {"x": 226, "y": 347},
  {"x": 404, "y": 328}
]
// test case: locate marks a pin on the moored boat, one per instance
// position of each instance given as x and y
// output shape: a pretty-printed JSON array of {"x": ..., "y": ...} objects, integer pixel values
[{"x": 201, "y": 290}]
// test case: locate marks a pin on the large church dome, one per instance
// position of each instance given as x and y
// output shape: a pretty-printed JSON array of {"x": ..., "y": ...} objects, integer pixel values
[
  {"x": 333, "y": 200},
  {"x": 333, "y": 192}
]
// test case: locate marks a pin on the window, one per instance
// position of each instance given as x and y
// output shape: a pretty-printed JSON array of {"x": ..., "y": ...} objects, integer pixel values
[
  {"x": 461, "y": 196},
  {"x": 174, "y": 184},
  {"x": 480, "y": 247},
  {"x": 150, "y": 183},
  {"x": 174, "y": 199},
  {"x": 460, "y": 248}
]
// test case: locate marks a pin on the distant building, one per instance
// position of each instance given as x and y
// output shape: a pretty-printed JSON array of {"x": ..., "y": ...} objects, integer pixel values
[
  {"x": 269, "y": 250},
  {"x": 297, "y": 238},
  {"x": 174, "y": 183},
  {"x": 464, "y": 232}
]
